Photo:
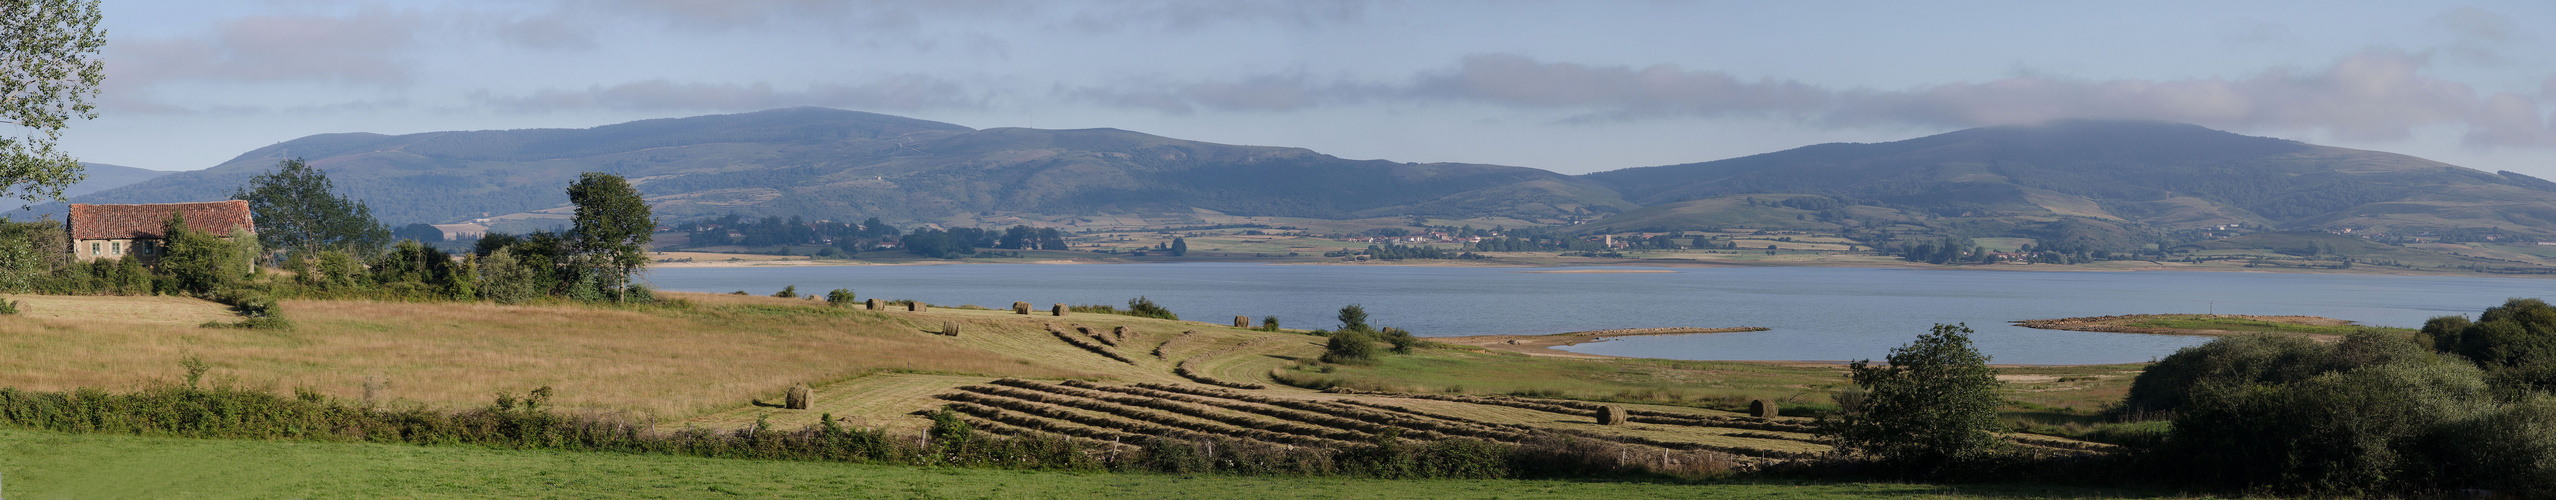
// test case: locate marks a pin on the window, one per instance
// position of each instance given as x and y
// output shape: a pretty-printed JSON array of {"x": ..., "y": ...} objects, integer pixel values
[
  {"x": 115, "y": 247},
  {"x": 93, "y": 249}
]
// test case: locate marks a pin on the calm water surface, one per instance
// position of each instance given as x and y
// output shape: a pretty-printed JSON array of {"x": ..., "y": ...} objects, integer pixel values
[{"x": 1815, "y": 313}]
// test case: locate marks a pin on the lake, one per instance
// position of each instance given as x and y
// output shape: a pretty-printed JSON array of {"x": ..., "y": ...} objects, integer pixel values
[{"x": 1815, "y": 313}]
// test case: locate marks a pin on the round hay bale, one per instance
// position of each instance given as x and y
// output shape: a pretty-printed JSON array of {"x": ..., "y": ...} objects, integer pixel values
[
  {"x": 799, "y": 397},
  {"x": 915, "y": 306},
  {"x": 1613, "y": 415},
  {"x": 878, "y": 305},
  {"x": 1059, "y": 310},
  {"x": 1763, "y": 408},
  {"x": 1242, "y": 322},
  {"x": 1020, "y": 308},
  {"x": 950, "y": 328}
]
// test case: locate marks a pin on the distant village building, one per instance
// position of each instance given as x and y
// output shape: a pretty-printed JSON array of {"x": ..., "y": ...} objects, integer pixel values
[{"x": 115, "y": 231}]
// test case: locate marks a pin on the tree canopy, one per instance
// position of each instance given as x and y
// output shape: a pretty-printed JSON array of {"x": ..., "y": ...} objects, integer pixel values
[
  {"x": 296, "y": 212},
  {"x": 612, "y": 226},
  {"x": 48, "y": 71},
  {"x": 1934, "y": 404}
]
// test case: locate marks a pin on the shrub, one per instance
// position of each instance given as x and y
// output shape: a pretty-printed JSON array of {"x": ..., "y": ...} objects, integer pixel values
[
  {"x": 2232, "y": 360},
  {"x": 840, "y": 297},
  {"x": 2362, "y": 430},
  {"x": 788, "y": 292},
  {"x": 1402, "y": 340},
  {"x": 2517, "y": 340},
  {"x": 1269, "y": 323},
  {"x": 507, "y": 280},
  {"x": 1350, "y": 347},
  {"x": 1146, "y": 308},
  {"x": 1934, "y": 406}
]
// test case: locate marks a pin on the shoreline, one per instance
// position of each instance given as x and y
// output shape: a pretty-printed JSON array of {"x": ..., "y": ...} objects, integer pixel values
[
  {"x": 1543, "y": 345},
  {"x": 2122, "y": 324},
  {"x": 2044, "y": 268}
]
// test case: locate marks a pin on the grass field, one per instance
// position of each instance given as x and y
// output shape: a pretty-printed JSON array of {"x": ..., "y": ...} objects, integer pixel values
[
  {"x": 37, "y": 464},
  {"x": 701, "y": 362}
]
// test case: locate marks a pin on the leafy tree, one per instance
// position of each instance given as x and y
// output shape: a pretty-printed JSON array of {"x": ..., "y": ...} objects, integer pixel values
[
  {"x": 840, "y": 297},
  {"x": 48, "y": 69},
  {"x": 2516, "y": 341},
  {"x": 1353, "y": 317},
  {"x": 1934, "y": 404},
  {"x": 509, "y": 281},
  {"x": 198, "y": 262},
  {"x": 1179, "y": 247},
  {"x": 296, "y": 212},
  {"x": 611, "y": 228}
]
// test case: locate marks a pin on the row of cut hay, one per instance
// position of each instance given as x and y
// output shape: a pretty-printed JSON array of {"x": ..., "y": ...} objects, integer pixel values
[
  {"x": 1033, "y": 423},
  {"x": 1188, "y": 371},
  {"x": 2036, "y": 441},
  {"x": 1197, "y": 408},
  {"x": 1088, "y": 345},
  {"x": 1110, "y": 339},
  {"x": 1193, "y": 368},
  {"x": 1275, "y": 432},
  {"x": 980, "y": 393},
  {"x": 1060, "y": 413},
  {"x": 1183, "y": 340},
  {"x": 1078, "y": 398},
  {"x": 1777, "y": 437},
  {"x": 1326, "y": 414},
  {"x": 1005, "y": 429},
  {"x": 1438, "y": 416}
]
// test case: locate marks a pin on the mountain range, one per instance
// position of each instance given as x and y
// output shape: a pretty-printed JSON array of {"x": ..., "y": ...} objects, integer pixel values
[{"x": 834, "y": 164}]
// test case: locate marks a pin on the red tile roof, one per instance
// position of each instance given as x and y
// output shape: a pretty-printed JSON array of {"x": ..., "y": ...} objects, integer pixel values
[{"x": 112, "y": 222}]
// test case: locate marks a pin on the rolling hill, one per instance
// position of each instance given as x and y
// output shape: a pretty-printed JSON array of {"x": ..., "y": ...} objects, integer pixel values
[
  {"x": 2121, "y": 182},
  {"x": 2165, "y": 175},
  {"x": 834, "y": 164}
]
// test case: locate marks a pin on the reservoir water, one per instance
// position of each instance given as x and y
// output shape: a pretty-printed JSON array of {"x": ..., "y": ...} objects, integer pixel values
[{"x": 1814, "y": 313}]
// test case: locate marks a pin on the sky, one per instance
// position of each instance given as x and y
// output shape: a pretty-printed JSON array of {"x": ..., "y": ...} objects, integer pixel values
[{"x": 1572, "y": 87}]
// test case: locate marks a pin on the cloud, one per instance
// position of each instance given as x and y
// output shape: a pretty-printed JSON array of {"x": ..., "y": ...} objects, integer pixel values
[
  {"x": 897, "y": 93},
  {"x": 363, "y": 49},
  {"x": 2481, "y": 34},
  {"x": 2375, "y": 95},
  {"x": 1185, "y": 17}
]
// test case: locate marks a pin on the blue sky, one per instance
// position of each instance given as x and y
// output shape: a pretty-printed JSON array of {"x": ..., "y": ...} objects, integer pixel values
[{"x": 1573, "y": 87}]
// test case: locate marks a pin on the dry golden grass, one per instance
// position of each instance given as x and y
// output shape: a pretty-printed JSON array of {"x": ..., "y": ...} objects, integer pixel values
[
  {"x": 151, "y": 310},
  {"x": 666, "y": 363}
]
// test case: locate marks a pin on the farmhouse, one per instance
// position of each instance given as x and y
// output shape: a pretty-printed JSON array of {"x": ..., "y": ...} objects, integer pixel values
[{"x": 115, "y": 231}]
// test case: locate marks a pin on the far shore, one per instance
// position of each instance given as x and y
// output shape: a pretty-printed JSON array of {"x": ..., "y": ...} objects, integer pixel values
[{"x": 721, "y": 260}]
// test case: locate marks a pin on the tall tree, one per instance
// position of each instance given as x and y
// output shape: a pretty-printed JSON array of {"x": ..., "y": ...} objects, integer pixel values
[
  {"x": 296, "y": 212},
  {"x": 1934, "y": 404},
  {"x": 613, "y": 226},
  {"x": 48, "y": 71}
]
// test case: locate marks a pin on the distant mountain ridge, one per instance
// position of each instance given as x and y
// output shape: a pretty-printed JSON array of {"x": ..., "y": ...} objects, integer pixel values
[
  {"x": 2155, "y": 173},
  {"x": 834, "y": 164},
  {"x": 826, "y": 163}
]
